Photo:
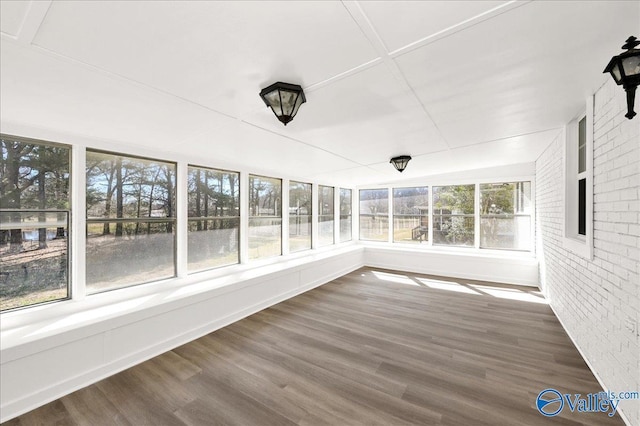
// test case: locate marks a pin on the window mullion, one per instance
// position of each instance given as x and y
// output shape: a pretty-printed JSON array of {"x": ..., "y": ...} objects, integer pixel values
[
  {"x": 286, "y": 188},
  {"x": 244, "y": 217},
  {"x": 390, "y": 215},
  {"x": 181, "y": 253},
  {"x": 476, "y": 216},
  {"x": 78, "y": 222},
  {"x": 430, "y": 230}
]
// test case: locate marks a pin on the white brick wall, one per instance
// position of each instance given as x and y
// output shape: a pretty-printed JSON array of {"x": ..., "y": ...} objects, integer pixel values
[{"x": 598, "y": 301}]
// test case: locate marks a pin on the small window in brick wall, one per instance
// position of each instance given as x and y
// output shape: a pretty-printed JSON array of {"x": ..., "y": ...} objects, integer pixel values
[{"x": 578, "y": 162}]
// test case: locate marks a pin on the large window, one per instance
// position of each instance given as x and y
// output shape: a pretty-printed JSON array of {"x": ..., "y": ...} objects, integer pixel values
[
  {"x": 411, "y": 215},
  {"x": 374, "y": 214},
  {"x": 453, "y": 215},
  {"x": 214, "y": 218},
  {"x": 299, "y": 216},
  {"x": 345, "y": 214},
  {"x": 265, "y": 217},
  {"x": 326, "y": 215},
  {"x": 505, "y": 215},
  {"x": 131, "y": 220},
  {"x": 34, "y": 222}
]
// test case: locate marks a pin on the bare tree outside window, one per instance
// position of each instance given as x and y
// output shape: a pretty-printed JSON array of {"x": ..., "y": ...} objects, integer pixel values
[
  {"x": 345, "y": 215},
  {"x": 214, "y": 218},
  {"x": 374, "y": 214},
  {"x": 299, "y": 216},
  {"x": 411, "y": 215},
  {"x": 265, "y": 217},
  {"x": 34, "y": 222},
  {"x": 131, "y": 220},
  {"x": 326, "y": 215}
]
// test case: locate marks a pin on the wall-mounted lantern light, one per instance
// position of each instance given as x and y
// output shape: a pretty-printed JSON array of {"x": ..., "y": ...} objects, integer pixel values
[
  {"x": 400, "y": 163},
  {"x": 284, "y": 99},
  {"x": 625, "y": 70}
]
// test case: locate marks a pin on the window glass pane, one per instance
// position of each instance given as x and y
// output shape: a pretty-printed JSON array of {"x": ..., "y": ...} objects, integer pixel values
[
  {"x": 505, "y": 215},
  {"x": 213, "y": 194},
  {"x": 325, "y": 215},
  {"x": 128, "y": 187},
  {"x": 34, "y": 240},
  {"x": 411, "y": 214},
  {"x": 453, "y": 220},
  {"x": 582, "y": 207},
  {"x": 374, "y": 214},
  {"x": 299, "y": 216},
  {"x": 265, "y": 237},
  {"x": 265, "y": 217},
  {"x": 345, "y": 214},
  {"x": 141, "y": 252},
  {"x": 582, "y": 145},
  {"x": 23, "y": 164},
  {"x": 139, "y": 245},
  {"x": 213, "y": 242},
  {"x": 454, "y": 199},
  {"x": 39, "y": 270}
]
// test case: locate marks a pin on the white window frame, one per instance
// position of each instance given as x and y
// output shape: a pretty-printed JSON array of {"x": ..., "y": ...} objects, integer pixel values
[{"x": 581, "y": 245}]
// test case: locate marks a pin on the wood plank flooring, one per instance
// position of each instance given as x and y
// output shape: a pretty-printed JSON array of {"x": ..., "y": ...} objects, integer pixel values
[{"x": 373, "y": 347}]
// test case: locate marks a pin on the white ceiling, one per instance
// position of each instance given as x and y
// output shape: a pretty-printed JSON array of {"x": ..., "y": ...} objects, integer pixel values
[{"x": 457, "y": 85}]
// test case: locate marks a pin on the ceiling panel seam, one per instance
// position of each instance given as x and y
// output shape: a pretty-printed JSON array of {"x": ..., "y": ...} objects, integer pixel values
[
  {"x": 507, "y": 138},
  {"x": 362, "y": 20},
  {"x": 360, "y": 68},
  {"x": 461, "y": 26},
  {"x": 33, "y": 19},
  {"x": 304, "y": 143}
]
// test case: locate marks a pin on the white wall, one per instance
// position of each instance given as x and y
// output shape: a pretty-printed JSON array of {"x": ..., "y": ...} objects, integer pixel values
[
  {"x": 598, "y": 300},
  {"x": 510, "y": 268}
]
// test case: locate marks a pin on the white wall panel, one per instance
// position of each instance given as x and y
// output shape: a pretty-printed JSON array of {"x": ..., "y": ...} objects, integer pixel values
[{"x": 522, "y": 270}]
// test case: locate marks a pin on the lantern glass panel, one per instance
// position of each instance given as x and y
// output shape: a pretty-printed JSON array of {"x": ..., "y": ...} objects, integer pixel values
[
  {"x": 631, "y": 65},
  {"x": 274, "y": 100},
  {"x": 288, "y": 101},
  {"x": 297, "y": 105},
  {"x": 615, "y": 72}
]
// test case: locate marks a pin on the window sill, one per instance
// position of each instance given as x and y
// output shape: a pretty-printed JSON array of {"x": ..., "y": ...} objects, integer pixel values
[
  {"x": 578, "y": 246},
  {"x": 453, "y": 250}
]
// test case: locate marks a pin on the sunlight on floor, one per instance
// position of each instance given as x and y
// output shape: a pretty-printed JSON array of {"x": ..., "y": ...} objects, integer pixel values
[
  {"x": 396, "y": 278},
  {"x": 447, "y": 285},
  {"x": 512, "y": 293},
  {"x": 532, "y": 296}
]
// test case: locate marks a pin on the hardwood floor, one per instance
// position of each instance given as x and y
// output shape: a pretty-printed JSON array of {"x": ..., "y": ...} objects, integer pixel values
[{"x": 373, "y": 347}]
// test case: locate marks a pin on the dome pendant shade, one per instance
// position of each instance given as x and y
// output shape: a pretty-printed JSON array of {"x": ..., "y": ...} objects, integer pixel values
[
  {"x": 400, "y": 163},
  {"x": 284, "y": 99},
  {"x": 625, "y": 70}
]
